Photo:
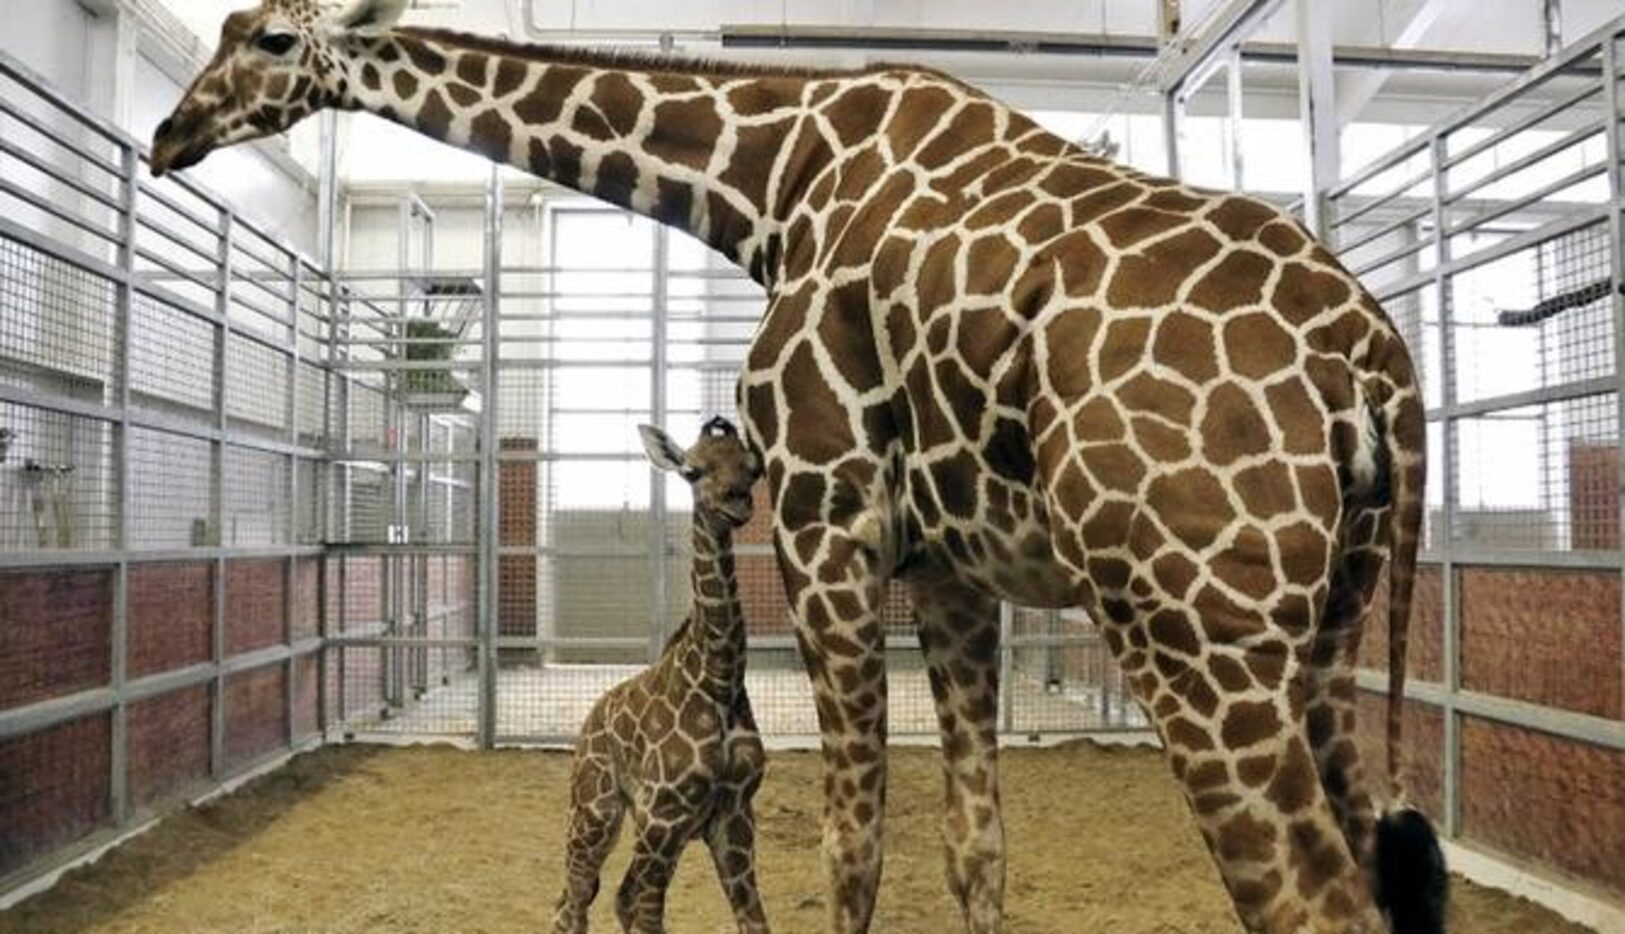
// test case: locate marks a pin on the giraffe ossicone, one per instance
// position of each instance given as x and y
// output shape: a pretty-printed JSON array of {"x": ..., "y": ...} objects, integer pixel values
[{"x": 993, "y": 365}]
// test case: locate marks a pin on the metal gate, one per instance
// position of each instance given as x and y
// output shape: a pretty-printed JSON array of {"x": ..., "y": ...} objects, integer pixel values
[{"x": 527, "y": 379}]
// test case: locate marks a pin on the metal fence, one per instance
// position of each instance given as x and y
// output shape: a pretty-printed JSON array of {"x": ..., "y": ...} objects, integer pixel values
[
  {"x": 613, "y": 322},
  {"x": 1494, "y": 241},
  {"x": 163, "y": 412}
]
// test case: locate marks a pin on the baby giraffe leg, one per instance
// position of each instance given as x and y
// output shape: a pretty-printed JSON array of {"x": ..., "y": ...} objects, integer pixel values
[
  {"x": 664, "y": 826},
  {"x": 731, "y": 835},
  {"x": 596, "y": 809}
]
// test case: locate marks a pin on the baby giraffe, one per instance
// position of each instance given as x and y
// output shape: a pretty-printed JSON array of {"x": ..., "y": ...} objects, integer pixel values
[{"x": 676, "y": 745}]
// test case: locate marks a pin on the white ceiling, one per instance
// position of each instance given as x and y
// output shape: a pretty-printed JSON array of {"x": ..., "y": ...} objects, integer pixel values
[{"x": 1472, "y": 25}]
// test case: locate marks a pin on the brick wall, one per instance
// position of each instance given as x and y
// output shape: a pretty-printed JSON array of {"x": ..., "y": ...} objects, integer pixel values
[
  {"x": 1550, "y": 637},
  {"x": 1594, "y": 494},
  {"x": 1535, "y": 796},
  {"x": 1423, "y": 754},
  {"x": 55, "y": 633},
  {"x": 255, "y": 604},
  {"x": 516, "y": 525},
  {"x": 256, "y": 714},
  {"x": 171, "y": 616},
  {"x": 306, "y": 598},
  {"x": 168, "y": 744},
  {"x": 53, "y": 788},
  {"x": 306, "y": 684},
  {"x": 1424, "y": 649}
]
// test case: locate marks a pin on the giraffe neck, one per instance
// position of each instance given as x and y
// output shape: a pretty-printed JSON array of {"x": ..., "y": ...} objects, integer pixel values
[
  {"x": 717, "y": 625},
  {"x": 722, "y": 156}
]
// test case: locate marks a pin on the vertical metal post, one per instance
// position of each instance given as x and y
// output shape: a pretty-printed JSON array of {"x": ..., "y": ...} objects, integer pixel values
[
  {"x": 1173, "y": 126},
  {"x": 327, "y": 190},
  {"x": 1552, "y": 20},
  {"x": 657, "y": 416},
  {"x": 489, "y": 578},
  {"x": 291, "y": 571},
  {"x": 1007, "y": 614},
  {"x": 130, "y": 167},
  {"x": 1614, "y": 94},
  {"x": 217, "y": 505},
  {"x": 1233, "y": 125},
  {"x": 1317, "y": 112},
  {"x": 1451, "y": 637}
]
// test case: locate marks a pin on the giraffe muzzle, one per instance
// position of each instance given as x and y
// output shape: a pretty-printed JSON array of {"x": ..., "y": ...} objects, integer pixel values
[{"x": 171, "y": 152}]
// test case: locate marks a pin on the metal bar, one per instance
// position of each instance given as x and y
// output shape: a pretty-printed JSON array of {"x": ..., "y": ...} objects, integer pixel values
[
  {"x": 1227, "y": 26},
  {"x": 1538, "y": 195},
  {"x": 1235, "y": 101},
  {"x": 124, "y": 298},
  {"x": 657, "y": 417},
  {"x": 46, "y": 206},
  {"x": 1598, "y": 731},
  {"x": 489, "y": 515},
  {"x": 1560, "y": 393},
  {"x": 1538, "y": 116},
  {"x": 52, "y": 172},
  {"x": 146, "y": 419},
  {"x": 1317, "y": 113},
  {"x": 1451, "y": 637},
  {"x": 1492, "y": 557},
  {"x": 1410, "y": 247},
  {"x": 222, "y": 341},
  {"x": 1614, "y": 158},
  {"x": 1007, "y": 651},
  {"x": 39, "y": 126}
]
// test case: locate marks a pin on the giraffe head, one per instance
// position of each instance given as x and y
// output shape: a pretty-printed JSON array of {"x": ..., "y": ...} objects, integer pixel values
[
  {"x": 275, "y": 65},
  {"x": 720, "y": 467}
]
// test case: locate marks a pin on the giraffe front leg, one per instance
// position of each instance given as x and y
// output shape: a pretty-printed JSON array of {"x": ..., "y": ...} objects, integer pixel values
[
  {"x": 731, "y": 834},
  {"x": 665, "y": 822},
  {"x": 835, "y": 598},
  {"x": 960, "y": 637},
  {"x": 596, "y": 809},
  {"x": 732, "y": 839}
]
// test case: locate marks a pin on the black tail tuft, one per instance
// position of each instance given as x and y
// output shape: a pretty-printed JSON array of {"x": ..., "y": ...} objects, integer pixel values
[{"x": 1413, "y": 886}]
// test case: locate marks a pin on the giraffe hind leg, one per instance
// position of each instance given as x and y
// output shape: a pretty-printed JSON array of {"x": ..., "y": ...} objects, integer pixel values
[{"x": 959, "y": 635}]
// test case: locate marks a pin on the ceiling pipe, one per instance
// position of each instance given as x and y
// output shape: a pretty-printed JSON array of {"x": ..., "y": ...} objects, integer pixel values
[{"x": 1098, "y": 46}]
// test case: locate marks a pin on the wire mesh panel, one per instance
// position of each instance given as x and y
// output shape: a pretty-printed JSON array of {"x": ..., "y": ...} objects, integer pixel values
[{"x": 1501, "y": 264}]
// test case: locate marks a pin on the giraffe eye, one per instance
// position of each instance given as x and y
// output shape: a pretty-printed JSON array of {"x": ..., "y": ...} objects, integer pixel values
[{"x": 277, "y": 43}]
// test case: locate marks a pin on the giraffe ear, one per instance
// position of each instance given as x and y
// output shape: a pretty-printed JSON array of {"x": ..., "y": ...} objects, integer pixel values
[
  {"x": 662, "y": 450},
  {"x": 370, "y": 15}
]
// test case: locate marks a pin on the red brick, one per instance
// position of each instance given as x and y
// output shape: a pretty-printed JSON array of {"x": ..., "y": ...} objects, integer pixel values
[
  {"x": 306, "y": 683},
  {"x": 171, "y": 616},
  {"x": 1554, "y": 801},
  {"x": 54, "y": 788},
  {"x": 1549, "y": 637},
  {"x": 255, "y": 607},
  {"x": 1422, "y": 764},
  {"x": 1594, "y": 494},
  {"x": 55, "y": 633},
  {"x": 306, "y": 598},
  {"x": 1424, "y": 647},
  {"x": 168, "y": 744},
  {"x": 256, "y": 714}
]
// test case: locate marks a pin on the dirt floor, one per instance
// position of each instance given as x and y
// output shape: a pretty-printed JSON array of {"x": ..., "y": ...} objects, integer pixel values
[{"x": 435, "y": 839}]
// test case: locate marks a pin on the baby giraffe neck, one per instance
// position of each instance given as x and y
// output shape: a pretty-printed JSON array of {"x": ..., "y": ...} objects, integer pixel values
[{"x": 718, "y": 623}]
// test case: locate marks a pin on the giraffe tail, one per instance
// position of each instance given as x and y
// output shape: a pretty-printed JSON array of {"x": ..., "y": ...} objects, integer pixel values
[{"x": 1412, "y": 882}]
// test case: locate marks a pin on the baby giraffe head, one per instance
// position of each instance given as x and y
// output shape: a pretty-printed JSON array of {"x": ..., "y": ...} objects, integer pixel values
[
  {"x": 275, "y": 65},
  {"x": 720, "y": 468}
]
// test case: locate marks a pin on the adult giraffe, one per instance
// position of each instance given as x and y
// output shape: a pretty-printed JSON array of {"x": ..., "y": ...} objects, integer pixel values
[{"x": 996, "y": 366}]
